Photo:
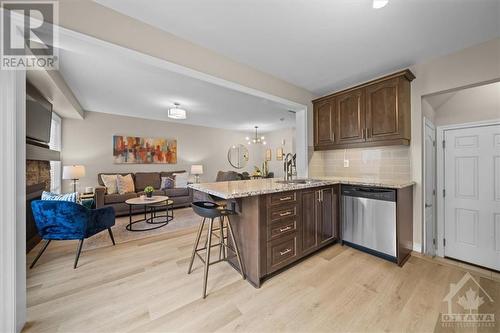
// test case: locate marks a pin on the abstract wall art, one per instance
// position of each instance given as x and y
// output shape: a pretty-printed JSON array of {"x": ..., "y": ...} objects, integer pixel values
[{"x": 144, "y": 150}]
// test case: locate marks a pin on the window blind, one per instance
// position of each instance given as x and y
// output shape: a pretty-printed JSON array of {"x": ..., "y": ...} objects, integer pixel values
[{"x": 55, "y": 144}]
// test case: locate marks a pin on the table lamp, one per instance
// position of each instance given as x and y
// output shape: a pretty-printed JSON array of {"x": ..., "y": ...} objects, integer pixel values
[
  {"x": 197, "y": 170},
  {"x": 73, "y": 172}
]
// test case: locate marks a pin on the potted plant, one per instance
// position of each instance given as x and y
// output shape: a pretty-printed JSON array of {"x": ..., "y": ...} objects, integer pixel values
[{"x": 149, "y": 191}]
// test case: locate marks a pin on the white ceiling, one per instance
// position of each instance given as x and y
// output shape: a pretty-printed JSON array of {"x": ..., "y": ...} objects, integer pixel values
[
  {"x": 104, "y": 79},
  {"x": 323, "y": 45}
]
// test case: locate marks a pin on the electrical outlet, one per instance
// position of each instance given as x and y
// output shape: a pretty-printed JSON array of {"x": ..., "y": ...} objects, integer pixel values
[{"x": 346, "y": 163}]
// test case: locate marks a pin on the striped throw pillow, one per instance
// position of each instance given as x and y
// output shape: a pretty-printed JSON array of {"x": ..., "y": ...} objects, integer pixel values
[{"x": 72, "y": 197}]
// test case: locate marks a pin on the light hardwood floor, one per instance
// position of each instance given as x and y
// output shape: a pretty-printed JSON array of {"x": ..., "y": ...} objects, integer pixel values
[{"x": 142, "y": 286}]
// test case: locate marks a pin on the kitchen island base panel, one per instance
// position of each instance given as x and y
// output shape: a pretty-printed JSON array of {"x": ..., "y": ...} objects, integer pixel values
[{"x": 247, "y": 232}]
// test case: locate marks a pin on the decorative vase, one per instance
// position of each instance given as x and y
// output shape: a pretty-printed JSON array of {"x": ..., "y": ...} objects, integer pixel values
[{"x": 149, "y": 194}]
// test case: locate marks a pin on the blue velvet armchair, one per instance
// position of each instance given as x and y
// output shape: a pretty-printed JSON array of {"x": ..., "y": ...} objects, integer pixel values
[{"x": 63, "y": 220}]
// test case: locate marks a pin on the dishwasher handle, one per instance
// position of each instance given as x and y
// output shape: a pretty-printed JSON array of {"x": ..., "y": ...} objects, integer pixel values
[{"x": 375, "y": 193}]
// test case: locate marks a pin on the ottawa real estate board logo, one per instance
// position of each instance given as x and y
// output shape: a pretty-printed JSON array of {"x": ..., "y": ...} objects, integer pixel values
[
  {"x": 468, "y": 304},
  {"x": 28, "y": 35}
]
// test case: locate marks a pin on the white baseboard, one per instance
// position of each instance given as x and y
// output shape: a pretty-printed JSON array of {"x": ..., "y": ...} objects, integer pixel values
[{"x": 417, "y": 247}]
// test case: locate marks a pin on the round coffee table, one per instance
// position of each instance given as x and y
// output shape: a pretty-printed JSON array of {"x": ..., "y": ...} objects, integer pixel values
[{"x": 154, "y": 203}]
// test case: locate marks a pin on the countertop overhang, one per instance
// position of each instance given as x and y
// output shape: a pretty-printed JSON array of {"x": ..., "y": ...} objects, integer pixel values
[{"x": 246, "y": 188}]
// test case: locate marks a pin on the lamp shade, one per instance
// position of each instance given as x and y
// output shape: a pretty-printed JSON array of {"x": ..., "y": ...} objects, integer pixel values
[
  {"x": 73, "y": 171},
  {"x": 197, "y": 169}
]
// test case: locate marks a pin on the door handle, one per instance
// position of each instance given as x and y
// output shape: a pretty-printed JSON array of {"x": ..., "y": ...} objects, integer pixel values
[{"x": 428, "y": 205}]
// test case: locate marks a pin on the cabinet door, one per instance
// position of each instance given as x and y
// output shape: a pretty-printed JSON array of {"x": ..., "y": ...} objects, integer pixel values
[
  {"x": 351, "y": 117},
  {"x": 384, "y": 119},
  {"x": 324, "y": 123},
  {"x": 328, "y": 215},
  {"x": 308, "y": 221}
]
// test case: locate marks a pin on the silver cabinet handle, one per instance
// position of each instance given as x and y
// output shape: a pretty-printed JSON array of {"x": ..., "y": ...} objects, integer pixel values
[
  {"x": 286, "y": 213},
  {"x": 285, "y": 198},
  {"x": 282, "y": 253},
  {"x": 285, "y": 229}
]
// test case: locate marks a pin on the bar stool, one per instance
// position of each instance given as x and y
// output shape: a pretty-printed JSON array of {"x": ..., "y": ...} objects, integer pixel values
[{"x": 212, "y": 211}]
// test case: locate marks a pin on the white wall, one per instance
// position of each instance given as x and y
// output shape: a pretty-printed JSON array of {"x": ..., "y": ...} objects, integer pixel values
[
  {"x": 89, "y": 142},
  {"x": 470, "y": 105}
]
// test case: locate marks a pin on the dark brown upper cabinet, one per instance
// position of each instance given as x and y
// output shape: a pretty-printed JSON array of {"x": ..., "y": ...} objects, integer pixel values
[
  {"x": 376, "y": 113},
  {"x": 351, "y": 117},
  {"x": 325, "y": 123}
]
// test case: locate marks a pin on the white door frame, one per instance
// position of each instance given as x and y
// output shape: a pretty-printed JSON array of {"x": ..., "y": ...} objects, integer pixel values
[
  {"x": 440, "y": 213},
  {"x": 13, "y": 200},
  {"x": 429, "y": 123}
]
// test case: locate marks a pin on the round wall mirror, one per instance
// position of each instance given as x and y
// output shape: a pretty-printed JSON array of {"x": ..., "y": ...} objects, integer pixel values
[{"x": 237, "y": 156}]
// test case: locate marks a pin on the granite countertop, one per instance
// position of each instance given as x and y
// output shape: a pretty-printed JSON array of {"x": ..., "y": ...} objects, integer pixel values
[{"x": 247, "y": 188}]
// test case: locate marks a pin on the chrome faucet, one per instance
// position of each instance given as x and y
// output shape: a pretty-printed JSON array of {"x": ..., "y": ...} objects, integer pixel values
[{"x": 289, "y": 166}]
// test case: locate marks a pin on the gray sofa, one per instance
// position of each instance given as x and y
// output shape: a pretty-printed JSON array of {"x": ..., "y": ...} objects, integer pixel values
[{"x": 182, "y": 197}]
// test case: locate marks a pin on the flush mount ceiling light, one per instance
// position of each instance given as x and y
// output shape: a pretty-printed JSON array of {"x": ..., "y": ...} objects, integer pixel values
[
  {"x": 176, "y": 112},
  {"x": 256, "y": 139},
  {"x": 377, "y": 4}
]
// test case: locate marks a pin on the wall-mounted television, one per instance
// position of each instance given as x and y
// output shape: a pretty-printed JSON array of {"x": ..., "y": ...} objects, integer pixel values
[{"x": 38, "y": 121}]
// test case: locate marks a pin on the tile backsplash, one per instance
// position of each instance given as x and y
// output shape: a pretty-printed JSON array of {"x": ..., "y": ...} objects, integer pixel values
[{"x": 392, "y": 162}]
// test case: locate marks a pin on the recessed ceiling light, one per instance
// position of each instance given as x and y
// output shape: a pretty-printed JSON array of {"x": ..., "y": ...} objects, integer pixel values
[
  {"x": 377, "y": 4},
  {"x": 176, "y": 112}
]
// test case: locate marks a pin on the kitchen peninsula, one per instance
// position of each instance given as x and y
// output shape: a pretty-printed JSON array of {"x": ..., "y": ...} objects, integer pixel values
[{"x": 279, "y": 222}]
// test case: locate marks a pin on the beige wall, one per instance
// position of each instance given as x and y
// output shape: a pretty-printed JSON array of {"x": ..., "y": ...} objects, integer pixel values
[
  {"x": 89, "y": 142},
  {"x": 477, "y": 64},
  {"x": 468, "y": 67},
  {"x": 90, "y": 18},
  {"x": 470, "y": 105},
  {"x": 381, "y": 163}
]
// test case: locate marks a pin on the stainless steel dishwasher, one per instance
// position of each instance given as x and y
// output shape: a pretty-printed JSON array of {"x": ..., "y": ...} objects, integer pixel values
[{"x": 369, "y": 220}]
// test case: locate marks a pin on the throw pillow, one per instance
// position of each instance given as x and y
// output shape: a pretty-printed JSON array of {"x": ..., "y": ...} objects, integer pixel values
[
  {"x": 71, "y": 197},
  {"x": 167, "y": 183},
  {"x": 110, "y": 183},
  {"x": 125, "y": 184},
  {"x": 181, "y": 179}
]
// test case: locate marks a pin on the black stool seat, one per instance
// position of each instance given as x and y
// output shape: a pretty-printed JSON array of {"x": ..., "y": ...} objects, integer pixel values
[
  {"x": 211, "y": 211},
  {"x": 206, "y": 209}
]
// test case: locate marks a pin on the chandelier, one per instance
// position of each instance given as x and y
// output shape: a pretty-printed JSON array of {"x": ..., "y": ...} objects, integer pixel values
[{"x": 256, "y": 139}]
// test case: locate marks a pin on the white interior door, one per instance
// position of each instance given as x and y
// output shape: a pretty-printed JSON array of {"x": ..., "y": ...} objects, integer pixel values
[
  {"x": 430, "y": 189},
  {"x": 472, "y": 200}
]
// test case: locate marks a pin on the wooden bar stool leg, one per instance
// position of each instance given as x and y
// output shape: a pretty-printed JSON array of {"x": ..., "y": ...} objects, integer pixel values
[
  {"x": 196, "y": 242},
  {"x": 235, "y": 247},
  {"x": 207, "y": 257}
]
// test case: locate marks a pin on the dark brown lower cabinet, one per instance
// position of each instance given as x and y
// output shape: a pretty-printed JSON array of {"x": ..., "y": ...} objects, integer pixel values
[
  {"x": 320, "y": 217},
  {"x": 328, "y": 215},
  {"x": 275, "y": 230},
  {"x": 309, "y": 223}
]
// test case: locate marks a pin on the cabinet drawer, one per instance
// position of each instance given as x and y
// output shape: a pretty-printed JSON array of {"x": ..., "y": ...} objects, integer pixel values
[
  {"x": 283, "y": 198},
  {"x": 281, "y": 228},
  {"x": 281, "y": 252},
  {"x": 283, "y": 212}
]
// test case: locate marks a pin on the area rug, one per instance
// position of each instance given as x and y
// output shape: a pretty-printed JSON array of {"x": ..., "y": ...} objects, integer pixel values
[{"x": 183, "y": 218}]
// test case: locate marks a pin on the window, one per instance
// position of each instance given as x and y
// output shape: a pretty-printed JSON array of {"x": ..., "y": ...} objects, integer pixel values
[{"x": 55, "y": 144}]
